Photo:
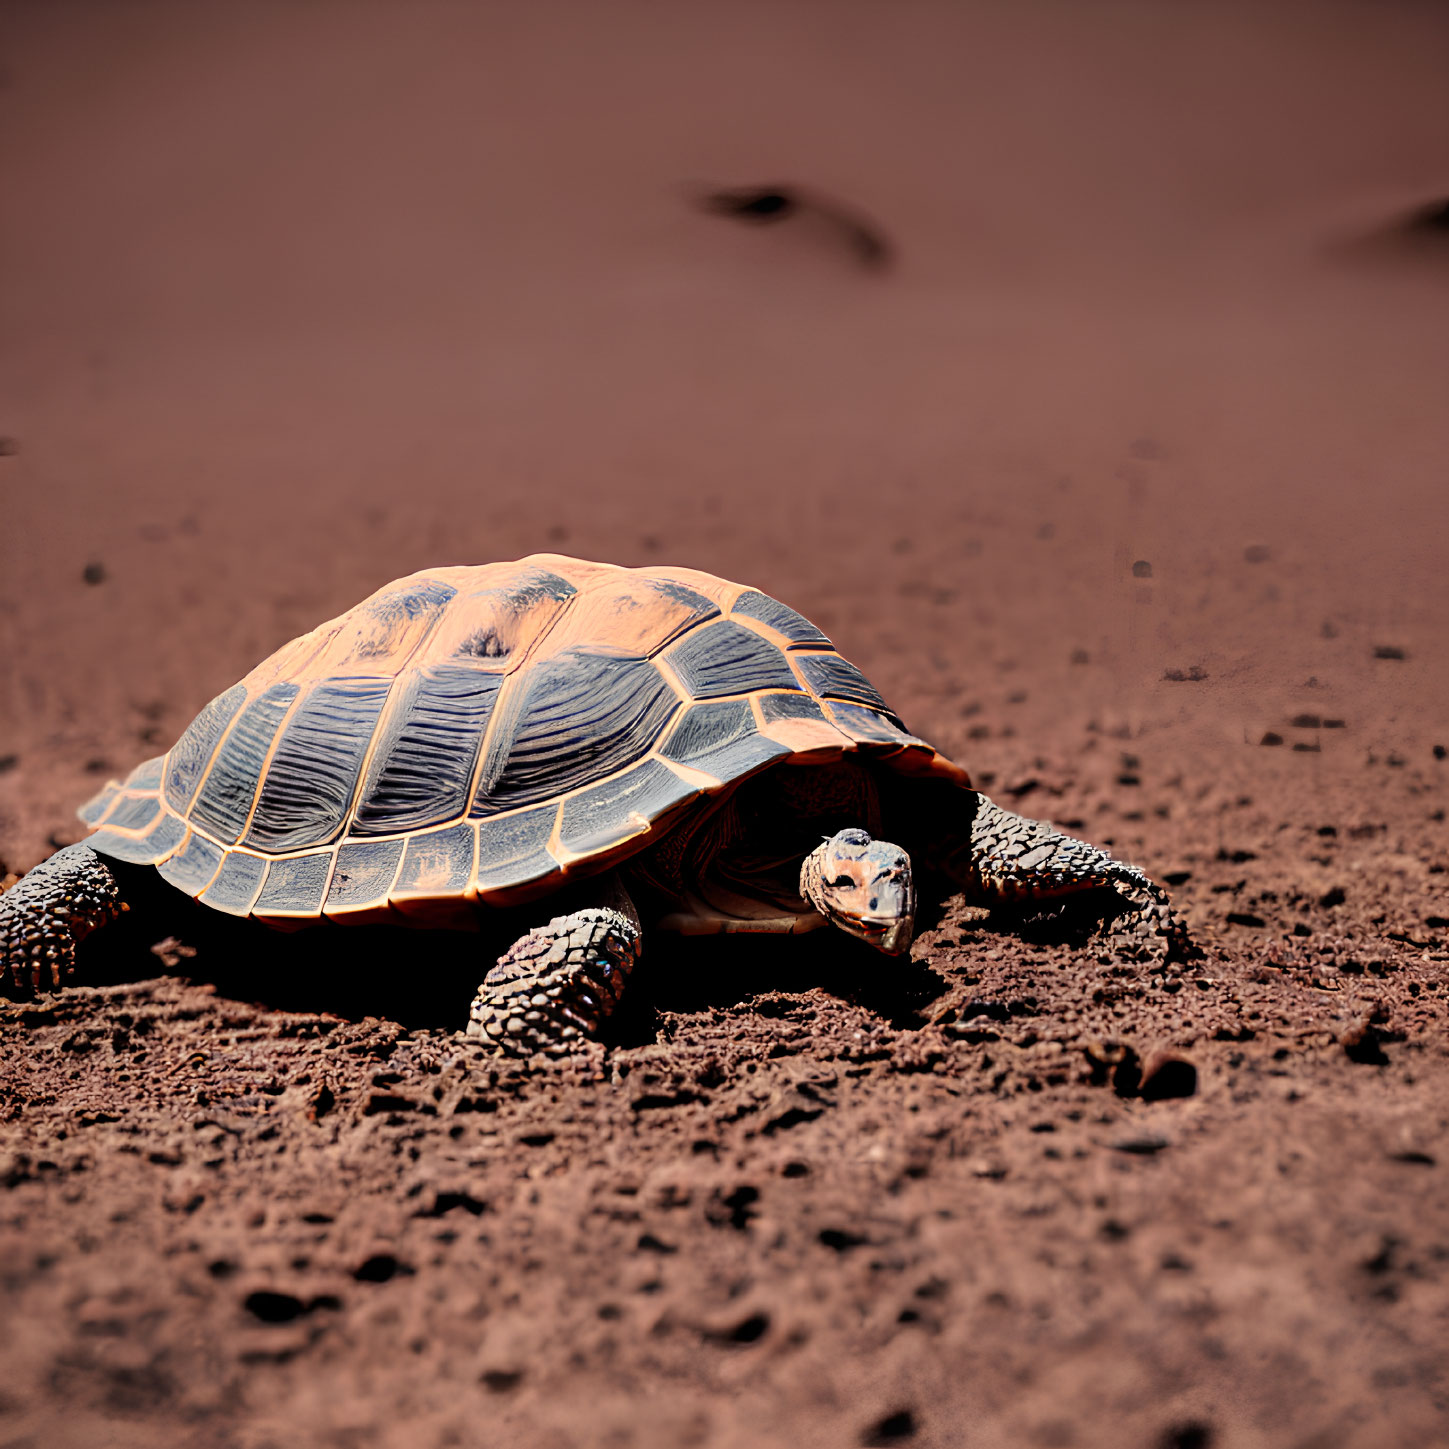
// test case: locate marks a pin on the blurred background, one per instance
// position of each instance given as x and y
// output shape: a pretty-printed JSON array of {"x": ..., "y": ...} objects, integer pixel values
[{"x": 1068, "y": 363}]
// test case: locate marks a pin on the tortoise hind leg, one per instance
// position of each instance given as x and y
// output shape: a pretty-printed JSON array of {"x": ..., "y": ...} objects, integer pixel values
[
  {"x": 1010, "y": 859},
  {"x": 47, "y": 912},
  {"x": 555, "y": 986}
]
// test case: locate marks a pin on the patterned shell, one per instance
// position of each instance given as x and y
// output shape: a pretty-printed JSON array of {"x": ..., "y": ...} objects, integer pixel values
[{"x": 483, "y": 734}]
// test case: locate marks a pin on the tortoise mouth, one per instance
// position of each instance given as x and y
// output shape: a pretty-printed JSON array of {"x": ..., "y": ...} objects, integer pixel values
[{"x": 890, "y": 935}]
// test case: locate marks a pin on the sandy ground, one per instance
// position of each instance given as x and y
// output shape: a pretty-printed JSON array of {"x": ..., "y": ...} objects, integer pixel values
[{"x": 1120, "y": 469}]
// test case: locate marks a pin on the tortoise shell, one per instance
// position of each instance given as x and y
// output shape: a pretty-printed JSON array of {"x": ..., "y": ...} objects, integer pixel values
[{"x": 484, "y": 734}]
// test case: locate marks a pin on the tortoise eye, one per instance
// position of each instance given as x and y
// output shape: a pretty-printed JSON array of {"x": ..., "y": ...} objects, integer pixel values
[{"x": 841, "y": 882}]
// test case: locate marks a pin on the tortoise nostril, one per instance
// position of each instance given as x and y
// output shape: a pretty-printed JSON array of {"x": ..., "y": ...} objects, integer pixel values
[{"x": 875, "y": 903}]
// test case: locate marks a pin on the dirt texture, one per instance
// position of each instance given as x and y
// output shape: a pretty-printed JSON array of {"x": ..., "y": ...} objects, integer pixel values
[{"x": 1081, "y": 371}]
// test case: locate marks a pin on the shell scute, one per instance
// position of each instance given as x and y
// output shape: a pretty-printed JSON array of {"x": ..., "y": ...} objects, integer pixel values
[
  {"x": 147, "y": 776},
  {"x": 799, "y": 724},
  {"x": 569, "y": 720},
  {"x": 438, "y": 863},
  {"x": 721, "y": 738},
  {"x": 832, "y": 677},
  {"x": 795, "y": 628},
  {"x": 513, "y": 850},
  {"x": 308, "y": 784},
  {"x": 727, "y": 658},
  {"x": 236, "y": 884},
  {"x": 381, "y": 635},
  {"x": 498, "y": 626},
  {"x": 295, "y": 885},
  {"x": 422, "y": 767},
  {"x": 193, "y": 866},
  {"x": 790, "y": 706},
  {"x": 229, "y": 790},
  {"x": 192, "y": 753},
  {"x": 363, "y": 876},
  {"x": 615, "y": 810},
  {"x": 98, "y": 806},
  {"x": 632, "y": 618},
  {"x": 134, "y": 812},
  {"x": 149, "y": 849}
]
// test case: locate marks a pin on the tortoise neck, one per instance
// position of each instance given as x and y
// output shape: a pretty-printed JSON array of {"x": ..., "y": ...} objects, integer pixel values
[{"x": 754, "y": 842}]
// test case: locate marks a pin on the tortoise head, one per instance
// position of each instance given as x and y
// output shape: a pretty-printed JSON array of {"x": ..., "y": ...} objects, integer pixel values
[{"x": 864, "y": 886}]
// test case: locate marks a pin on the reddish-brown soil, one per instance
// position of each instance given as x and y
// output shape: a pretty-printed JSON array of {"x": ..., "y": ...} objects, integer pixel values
[{"x": 1119, "y": 467}]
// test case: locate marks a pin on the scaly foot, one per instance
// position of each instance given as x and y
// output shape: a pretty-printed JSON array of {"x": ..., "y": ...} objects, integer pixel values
[
  {"x": 556, "y": 985},
  {"x": 47, "y": 912}
]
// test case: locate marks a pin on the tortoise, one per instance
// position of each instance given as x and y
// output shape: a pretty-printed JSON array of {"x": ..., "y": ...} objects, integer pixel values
[{"x": 640, "y": 744}]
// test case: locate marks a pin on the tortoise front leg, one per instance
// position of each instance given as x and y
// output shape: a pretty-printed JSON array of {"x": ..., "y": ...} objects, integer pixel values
[
  {"x": 556, "y": 985},
  {"x": 45, "y": 914},
  {"x": 1008, "y": 858}
]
